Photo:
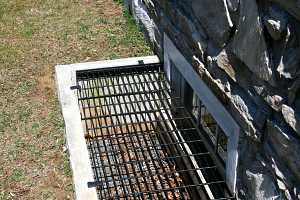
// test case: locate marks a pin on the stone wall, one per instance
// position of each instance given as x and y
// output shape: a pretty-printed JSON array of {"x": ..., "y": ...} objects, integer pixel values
[{"x": 248, "y": 53}]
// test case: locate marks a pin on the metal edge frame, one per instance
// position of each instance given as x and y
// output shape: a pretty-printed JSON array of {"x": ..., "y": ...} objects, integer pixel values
[
  {"x": 74, "y": 133},
  {"x": 214, "y": 106}
]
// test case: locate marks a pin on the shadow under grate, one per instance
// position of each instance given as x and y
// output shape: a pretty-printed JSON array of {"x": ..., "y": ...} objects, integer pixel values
[{"x": 136, "y": 147}]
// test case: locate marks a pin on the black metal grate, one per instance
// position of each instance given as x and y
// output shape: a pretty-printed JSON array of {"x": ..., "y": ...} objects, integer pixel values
[{"x": 137, "y": 149}]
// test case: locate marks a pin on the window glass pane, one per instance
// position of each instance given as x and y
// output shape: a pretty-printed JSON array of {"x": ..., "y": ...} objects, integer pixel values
[
  {"x": 213, "y": 131},
  {"x": 196, "y": 106},
  {"x": 222, "y": 145},
  {"x": 208, "y": 124}
]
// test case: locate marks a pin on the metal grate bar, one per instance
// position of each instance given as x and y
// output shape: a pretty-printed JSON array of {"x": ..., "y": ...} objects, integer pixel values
[
  {"x": 96, "y": 146},
  {"x": 137, "y": 149},
  {"x": 134, "y": 127},
  {"x": 140, "y": 101},
  {"x": 141, "y": 132},
  {"x": 137, "y": 107}
]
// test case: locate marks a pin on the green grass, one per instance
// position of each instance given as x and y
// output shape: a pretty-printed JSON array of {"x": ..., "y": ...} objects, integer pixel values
[
  {"x": 18, "y": 175},
  {"x": 46, "y": 194},
  {"x": 4, "y": 121},
  {"x": 35, "y": 35},
  {"x": 5, "y": 196}
]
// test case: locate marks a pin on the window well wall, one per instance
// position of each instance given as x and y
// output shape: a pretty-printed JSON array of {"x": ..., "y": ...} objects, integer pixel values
[{"x": 138, "y": 129}]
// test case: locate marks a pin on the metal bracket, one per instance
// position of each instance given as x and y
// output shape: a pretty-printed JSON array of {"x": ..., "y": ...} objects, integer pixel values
[
  {"x": 76, "y": 87},
  {"x": 94, "y": 184}
]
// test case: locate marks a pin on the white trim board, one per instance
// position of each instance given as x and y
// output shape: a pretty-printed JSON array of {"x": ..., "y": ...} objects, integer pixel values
[
  {"x": 213, "y": 105},
  {"x": 74, "y": 133}
]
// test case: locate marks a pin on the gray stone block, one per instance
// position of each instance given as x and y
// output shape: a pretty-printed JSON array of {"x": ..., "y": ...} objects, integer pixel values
[
  {"x": 292, "y": 6},
  {"x": 249, "y": 43},
  {"x": 215, "y": 18}
]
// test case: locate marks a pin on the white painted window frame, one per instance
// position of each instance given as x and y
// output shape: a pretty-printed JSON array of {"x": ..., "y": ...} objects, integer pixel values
[
  {"x": 210, "y": 101},
  {"x": 74, "y": 133}
]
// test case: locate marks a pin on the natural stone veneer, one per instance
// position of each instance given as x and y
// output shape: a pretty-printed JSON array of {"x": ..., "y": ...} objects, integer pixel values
[
  {"x": 218, "y": 31},
  {"x": 248, "y": 53},
  {"x": 249, "y": 43}
]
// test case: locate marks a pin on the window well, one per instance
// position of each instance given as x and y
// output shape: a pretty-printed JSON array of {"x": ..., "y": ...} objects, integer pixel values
[{"x": 131, "y": 137}]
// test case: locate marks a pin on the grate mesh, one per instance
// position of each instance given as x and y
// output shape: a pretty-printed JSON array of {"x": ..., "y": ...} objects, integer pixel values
[{"x": 137, "y": 149}]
